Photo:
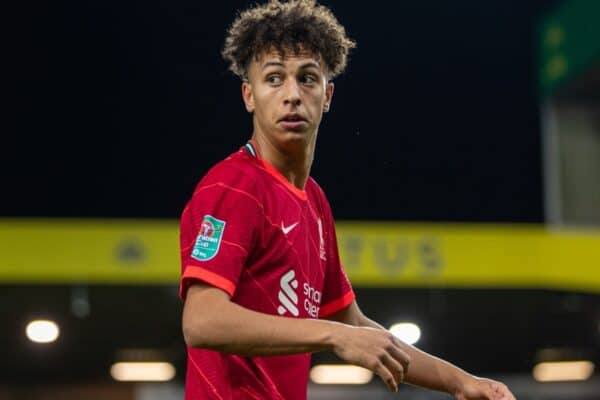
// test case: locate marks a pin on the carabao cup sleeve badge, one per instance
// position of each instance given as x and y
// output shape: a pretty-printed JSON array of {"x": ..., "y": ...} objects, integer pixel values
[{"x": 209, "y": 238}]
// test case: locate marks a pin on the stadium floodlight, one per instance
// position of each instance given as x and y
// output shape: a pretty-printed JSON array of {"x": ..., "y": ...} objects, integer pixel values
[
  {"x": 331, "y": 374},
  {"x": 142, "y": 371},
  {"x": 561, "y": 371},
  {"x": 407, "y": 332},
  {"x": 42, "y": 331}
]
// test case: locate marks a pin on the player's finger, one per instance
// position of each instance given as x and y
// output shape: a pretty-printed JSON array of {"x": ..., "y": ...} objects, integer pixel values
[
  {"x": 401, "y": 356},
  {"x": 503, "y": 391},
  {"x": 386, "y": 376},
  {"x": 395, "y": 368},
  {"x": 498, "y": 395},
  {"x": 506, "y": 394},
  {"x": 491, "y": 394}
]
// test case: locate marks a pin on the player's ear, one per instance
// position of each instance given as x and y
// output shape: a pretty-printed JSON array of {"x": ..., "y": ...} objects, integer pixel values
[
  {"x": 247, "y": 95},
  {"x": 328, "y": 96}
]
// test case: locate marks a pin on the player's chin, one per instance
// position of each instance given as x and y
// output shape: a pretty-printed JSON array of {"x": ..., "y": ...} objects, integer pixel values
[
  {"x": 300, "y": 134},
  {"x": 293, "y": 141}
]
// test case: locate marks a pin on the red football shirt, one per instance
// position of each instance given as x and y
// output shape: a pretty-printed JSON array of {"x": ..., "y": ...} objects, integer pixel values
[{"x": 272, "y": 247}]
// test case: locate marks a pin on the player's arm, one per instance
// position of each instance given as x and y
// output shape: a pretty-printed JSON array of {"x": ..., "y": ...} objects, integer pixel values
[
  {"x": 212, "y": 321},
  {"x": 429, "y": 371}
]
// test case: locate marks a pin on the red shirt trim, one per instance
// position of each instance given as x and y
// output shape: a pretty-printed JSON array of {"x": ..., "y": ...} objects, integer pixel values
[
  {"x": 255, "y": 147},
  {"x": 277, "y": 175},
  {"x": 195, "y": 272},
  {"x": 337, "y": 305}
]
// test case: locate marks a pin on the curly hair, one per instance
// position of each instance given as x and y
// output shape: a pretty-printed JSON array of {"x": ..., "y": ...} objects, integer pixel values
[{"x": 295, "y": 25}]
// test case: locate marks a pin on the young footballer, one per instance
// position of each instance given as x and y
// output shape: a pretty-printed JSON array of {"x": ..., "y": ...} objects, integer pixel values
[{"x": 262, "y": 282}]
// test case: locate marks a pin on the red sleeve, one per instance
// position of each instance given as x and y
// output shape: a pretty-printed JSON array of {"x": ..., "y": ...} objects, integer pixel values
[
  {"x": 337, "y": 291},
  {"x": 218, "y": 230}
]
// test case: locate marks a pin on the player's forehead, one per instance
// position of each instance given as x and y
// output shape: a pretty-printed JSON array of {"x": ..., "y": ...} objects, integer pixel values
[{"x": 299, "y": 58}]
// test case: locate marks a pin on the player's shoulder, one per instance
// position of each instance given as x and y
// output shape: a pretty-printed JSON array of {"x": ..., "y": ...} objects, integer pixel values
[{"x": 237, "y": 171}]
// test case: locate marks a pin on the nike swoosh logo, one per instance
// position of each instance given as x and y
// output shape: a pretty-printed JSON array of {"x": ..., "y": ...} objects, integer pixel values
[{"x": 288, "y": 229}]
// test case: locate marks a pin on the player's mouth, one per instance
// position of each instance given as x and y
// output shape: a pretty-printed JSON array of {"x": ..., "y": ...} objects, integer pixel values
[{"x": 292, "y": 122}]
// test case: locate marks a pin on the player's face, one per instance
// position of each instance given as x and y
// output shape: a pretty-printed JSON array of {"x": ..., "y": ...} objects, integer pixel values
[{"x": 287, "y": 95}]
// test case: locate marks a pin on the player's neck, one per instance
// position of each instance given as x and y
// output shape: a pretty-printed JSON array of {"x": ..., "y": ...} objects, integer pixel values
[{"x": 293, "y": 163}]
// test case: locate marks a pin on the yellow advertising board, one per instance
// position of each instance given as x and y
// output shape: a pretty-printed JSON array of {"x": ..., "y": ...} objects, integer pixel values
[
  {"x": 95, "y": 251},
  {"x": 390, "y": 254},
  {"x": 374, "y": 254}
]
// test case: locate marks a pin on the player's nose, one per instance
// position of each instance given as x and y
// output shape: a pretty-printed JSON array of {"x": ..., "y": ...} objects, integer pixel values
[{"x": 292, "y": 93}]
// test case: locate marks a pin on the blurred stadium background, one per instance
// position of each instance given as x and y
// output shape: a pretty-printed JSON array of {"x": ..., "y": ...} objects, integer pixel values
[{"x": 461, "y": 159}]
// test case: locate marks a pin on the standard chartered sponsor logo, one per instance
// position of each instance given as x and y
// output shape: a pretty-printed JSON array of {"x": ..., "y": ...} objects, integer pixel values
[
  {"x": 287, "y": 296},
  {"x": 312, "y": 300}
]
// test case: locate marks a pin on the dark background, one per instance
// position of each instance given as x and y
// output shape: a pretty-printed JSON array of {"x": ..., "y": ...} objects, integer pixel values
[
  {"x": 116, "y": 109},
  {"x": 119, "y": 108}
]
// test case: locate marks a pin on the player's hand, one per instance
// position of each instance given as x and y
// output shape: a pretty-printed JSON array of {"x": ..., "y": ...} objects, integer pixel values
[
  {"x": 374, "y": 349},
  {"x": 483, "y": 389}
]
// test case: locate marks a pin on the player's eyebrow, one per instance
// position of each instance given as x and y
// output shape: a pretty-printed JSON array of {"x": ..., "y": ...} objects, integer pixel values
[
  {"x": 272, "y": 64},
  {"x": 311, "y": 64}
]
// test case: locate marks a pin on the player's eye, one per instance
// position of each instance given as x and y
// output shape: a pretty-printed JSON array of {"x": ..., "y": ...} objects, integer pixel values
[
  {"x": 308, "y": 79},
  {"x": 274, "y": 79}
]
